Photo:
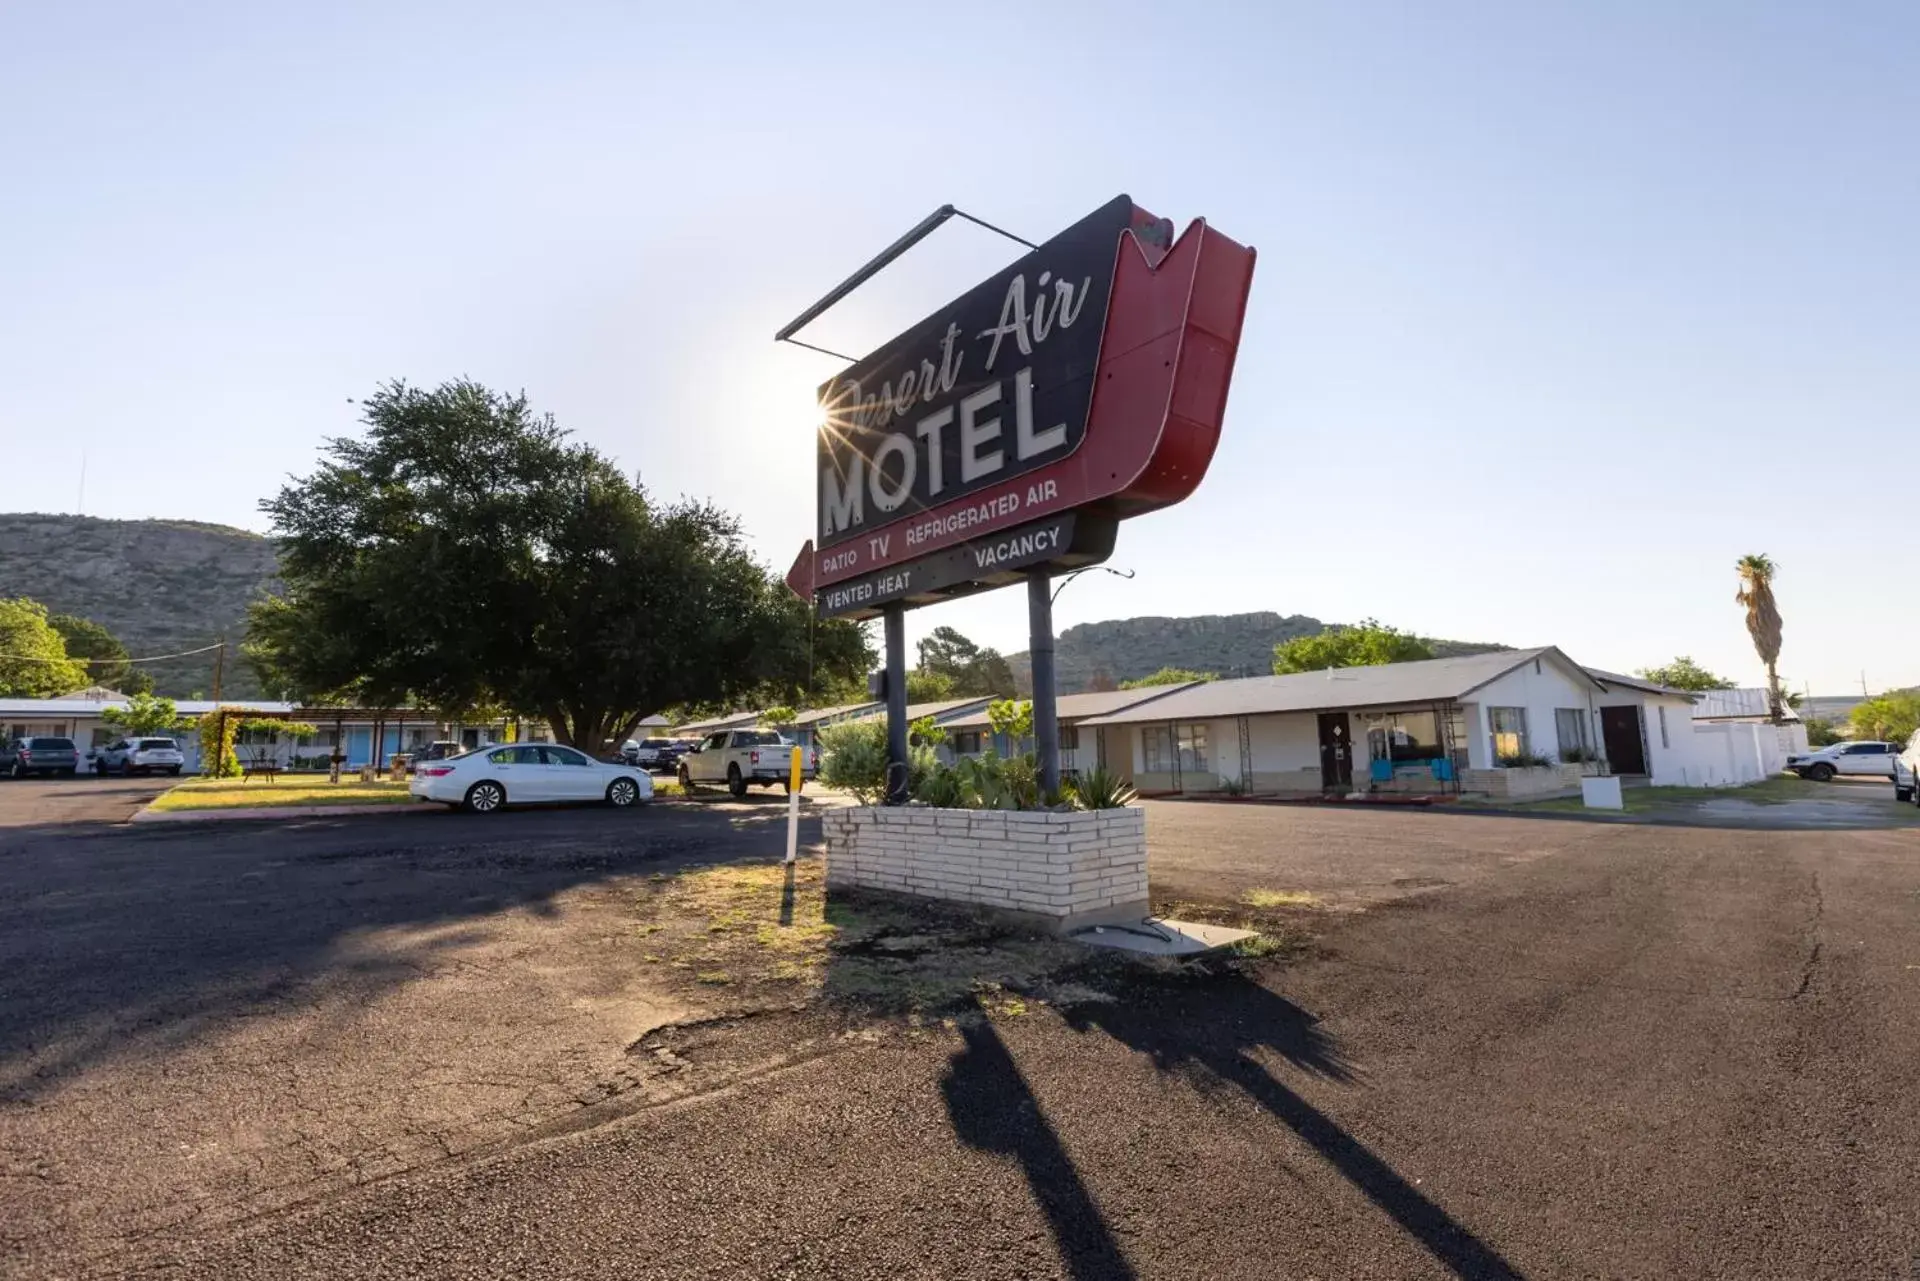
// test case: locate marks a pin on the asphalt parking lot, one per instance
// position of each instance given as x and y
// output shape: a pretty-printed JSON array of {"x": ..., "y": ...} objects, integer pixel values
[
  {"x": 427, "y": 1048},
  {"x": 27, "y": 802}
]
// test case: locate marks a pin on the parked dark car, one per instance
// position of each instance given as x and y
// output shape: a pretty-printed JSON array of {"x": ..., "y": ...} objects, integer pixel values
[
  {"x": 667, "y": 758},
  {"x": 654, "y": 753},
  {"x": 39, "y": 754},
  {"x": 444, "y": 750}
]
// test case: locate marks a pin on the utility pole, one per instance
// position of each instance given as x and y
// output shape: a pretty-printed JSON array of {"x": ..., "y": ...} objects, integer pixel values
[{"x": 219, "y": 665}]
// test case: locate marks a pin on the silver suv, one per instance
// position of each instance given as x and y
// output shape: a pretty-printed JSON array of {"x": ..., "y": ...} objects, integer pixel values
[{"x": 139, "y": 756}]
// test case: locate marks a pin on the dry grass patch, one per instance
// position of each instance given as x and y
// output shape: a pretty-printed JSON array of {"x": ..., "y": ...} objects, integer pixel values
[
  {"x": 771, "y": 936},
  {"x": 1266, "y": 899}
]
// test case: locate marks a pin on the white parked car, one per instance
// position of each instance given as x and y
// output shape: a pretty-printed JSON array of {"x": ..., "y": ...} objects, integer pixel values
[
  {"x": 743, "y": 758},
  {"x": 1872, "y": 758},
  {"x": 488, "y": 778},
  {"x": 139, "y": 756},
  {"x": 1906, "y": 772}
]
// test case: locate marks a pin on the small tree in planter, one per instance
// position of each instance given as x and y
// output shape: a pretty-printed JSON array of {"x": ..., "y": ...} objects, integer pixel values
[{"x": 144, "y": 715}]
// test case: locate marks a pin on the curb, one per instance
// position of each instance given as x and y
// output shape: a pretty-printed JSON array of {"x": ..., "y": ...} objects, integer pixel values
[
  {"x": 151, "y": 815},
  {"x": 269, "y": 812}
]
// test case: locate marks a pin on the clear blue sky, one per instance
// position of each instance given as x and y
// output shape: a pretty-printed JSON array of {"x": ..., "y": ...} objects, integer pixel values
[{"x": 1560, "y": 308}]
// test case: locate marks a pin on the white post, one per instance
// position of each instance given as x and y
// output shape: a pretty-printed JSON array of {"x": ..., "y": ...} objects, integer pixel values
[{"x": 793, "y": 808}]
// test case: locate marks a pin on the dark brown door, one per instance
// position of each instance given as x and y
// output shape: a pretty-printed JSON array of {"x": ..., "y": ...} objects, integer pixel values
[
  {"x": 1336, "y": 752},
  {"x": 1620, "y": 731}
]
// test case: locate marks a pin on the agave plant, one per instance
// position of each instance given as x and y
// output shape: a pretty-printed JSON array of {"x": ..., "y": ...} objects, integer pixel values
[{"x": 1102, "y": 789}]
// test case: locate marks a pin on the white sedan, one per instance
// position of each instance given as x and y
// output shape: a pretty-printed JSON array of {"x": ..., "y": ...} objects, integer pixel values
[{"x": 488, "y": 778}]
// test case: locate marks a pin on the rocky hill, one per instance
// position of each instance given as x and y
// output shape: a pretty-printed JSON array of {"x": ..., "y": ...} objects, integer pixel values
[
  {"x": 1226, "y": 644},
  {"x": 161, "y": 586}
]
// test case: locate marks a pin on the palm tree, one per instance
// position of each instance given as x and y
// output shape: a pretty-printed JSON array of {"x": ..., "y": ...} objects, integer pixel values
[{"x": 1763, "y": 619}]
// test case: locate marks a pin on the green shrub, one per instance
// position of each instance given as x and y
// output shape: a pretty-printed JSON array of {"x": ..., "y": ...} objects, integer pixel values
[
  {"x": 1522, "y": 760},
  {"x": 1102, "y": 789},
  {"x": 853, "y": 757},
  {"x": 944, "y": 787}
]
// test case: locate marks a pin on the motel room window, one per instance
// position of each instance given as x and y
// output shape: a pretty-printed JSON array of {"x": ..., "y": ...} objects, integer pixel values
[
  {"x": 1156, "y": 749},
  {"x": 1402, "y": 736},
  {"x": 967, "y": 742},
  {"x": 1570, "y": 724},
  {"x": 1192, "y": 738},
  {"x": 1069, "y": 738},
  {"x": 1159, "y": 743},
  {"x": 1508, "y": 731},
  {"x": 1663, "y": 728}
]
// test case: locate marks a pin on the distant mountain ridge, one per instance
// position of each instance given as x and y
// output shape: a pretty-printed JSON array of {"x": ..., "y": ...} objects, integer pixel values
[
  {"x": 160, "y": 586},
  {"x": 163, "y": 586},
  {"x": 1228, "y": 645}
]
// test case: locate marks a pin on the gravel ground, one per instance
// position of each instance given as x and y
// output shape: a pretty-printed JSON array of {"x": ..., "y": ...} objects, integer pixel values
[{"x": 1624, "y": 1051}]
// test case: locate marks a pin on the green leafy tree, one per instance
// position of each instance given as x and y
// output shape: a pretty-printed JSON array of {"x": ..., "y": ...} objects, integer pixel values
[
  {"x": 1012, "y": 718},
  {"x": 1763, "y": 618},
  {"x": 975, "y": 672},
  {"x": 1822, "y": 732},
  {"x": 1684, "y": 673},
  {"x": 1368, "y": 643},
  {"x": 1169, "y": 676},
  {"x": 144, "y": 714},
  {"x": 99, "y": 649},
  {"x": 929, "y": 687},
  {"x": 926, "y": 731},
  {"x": 774, "y": 717},
  {"x": 33, "y": 654},
  {"x": 466, "y": 552},
  {"x": 1892, "y": 716}
]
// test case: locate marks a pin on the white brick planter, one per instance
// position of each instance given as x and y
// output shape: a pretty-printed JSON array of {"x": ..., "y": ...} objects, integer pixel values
[{"x": 1070, "y": 869}]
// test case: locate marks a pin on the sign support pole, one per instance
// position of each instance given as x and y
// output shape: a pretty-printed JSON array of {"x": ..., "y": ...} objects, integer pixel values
[
  {"x": 897, "y": 769},
  {"x": 1046, "y": 722}
]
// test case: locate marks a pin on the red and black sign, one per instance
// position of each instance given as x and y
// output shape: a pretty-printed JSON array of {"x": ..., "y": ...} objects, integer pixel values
[{"x": 1090, "y": 375}]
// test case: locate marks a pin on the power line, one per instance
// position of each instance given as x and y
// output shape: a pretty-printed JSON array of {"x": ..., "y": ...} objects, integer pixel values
[{"x": 112, "y": 662}]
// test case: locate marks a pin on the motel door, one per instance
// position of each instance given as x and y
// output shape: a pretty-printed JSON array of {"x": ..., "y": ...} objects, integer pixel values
[
  {"x": 1621, "y": 732},
  {"x": 1336, "y": 752}
]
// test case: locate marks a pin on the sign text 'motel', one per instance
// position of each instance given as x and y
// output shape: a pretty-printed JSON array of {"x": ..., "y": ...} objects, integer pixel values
[{"x": 1089, "y": 377}]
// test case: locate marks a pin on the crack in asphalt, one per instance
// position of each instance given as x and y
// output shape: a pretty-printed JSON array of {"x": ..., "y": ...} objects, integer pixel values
[{"x": 1812, "y": 963}]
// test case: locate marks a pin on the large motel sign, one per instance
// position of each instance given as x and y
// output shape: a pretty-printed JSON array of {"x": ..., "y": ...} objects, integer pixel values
[{"x": 1007, "y": 435}]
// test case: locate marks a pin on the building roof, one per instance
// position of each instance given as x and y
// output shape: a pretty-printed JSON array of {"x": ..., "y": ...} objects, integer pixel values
[
  {"x": 821, "y": 715},
  {"x": 1639, "y": 683},
  {"x": 1392, "y": 685},
  {"x": 939, "y": 711},
  {"x": 84, "y": 708},
  {"x": 1737, "y": 705},
  {"x": 1078, "y": 707},
  {"x": 733, "y": 720},
  {"x": 97, "y": 693}
]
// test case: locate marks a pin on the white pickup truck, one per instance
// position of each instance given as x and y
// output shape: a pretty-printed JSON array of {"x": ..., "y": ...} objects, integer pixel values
[{"x": 741, "y": 758}]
